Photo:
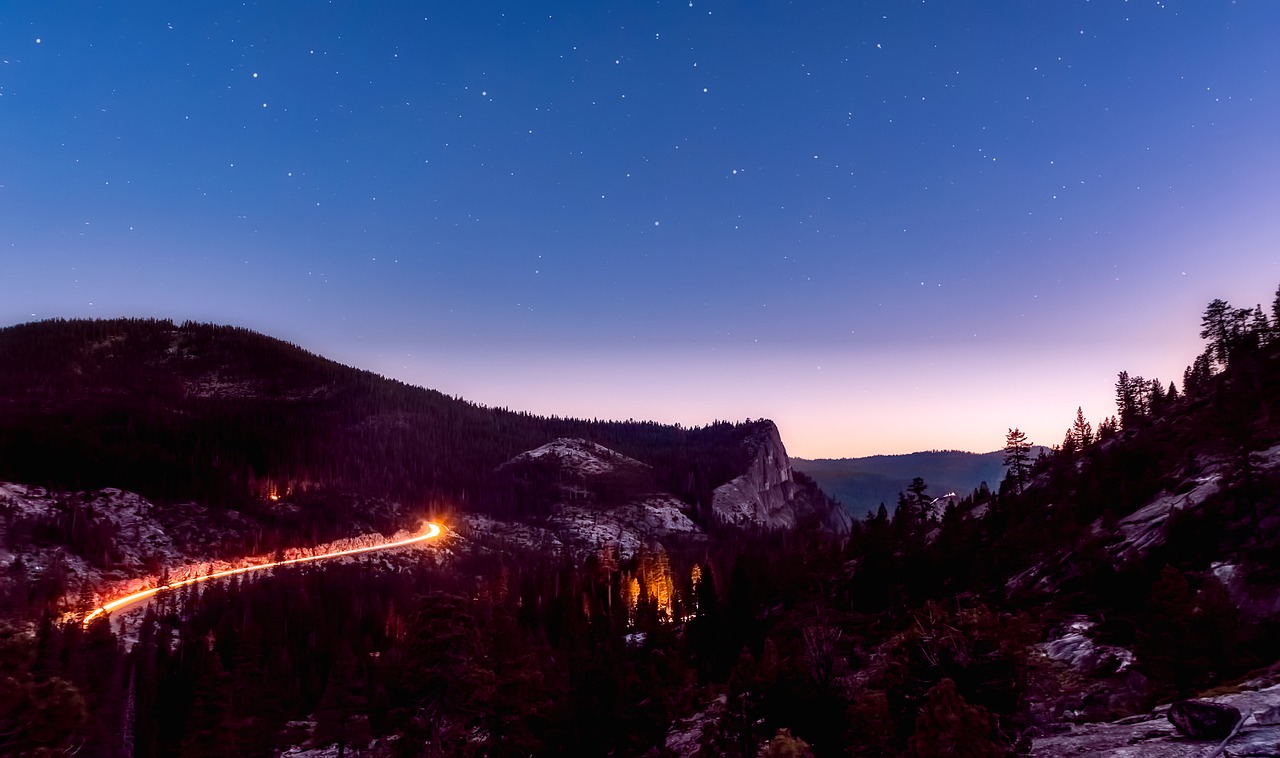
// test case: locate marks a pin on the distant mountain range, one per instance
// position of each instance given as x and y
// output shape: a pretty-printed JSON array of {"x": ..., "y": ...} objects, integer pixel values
[{"x": 862, "y": 484}]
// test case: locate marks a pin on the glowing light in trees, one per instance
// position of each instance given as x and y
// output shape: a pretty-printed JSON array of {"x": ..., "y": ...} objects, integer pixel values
[{"x": 433, "y": 531}]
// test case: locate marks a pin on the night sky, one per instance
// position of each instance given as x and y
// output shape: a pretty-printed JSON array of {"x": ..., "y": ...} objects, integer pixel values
[{"x": 889, "y": 226}]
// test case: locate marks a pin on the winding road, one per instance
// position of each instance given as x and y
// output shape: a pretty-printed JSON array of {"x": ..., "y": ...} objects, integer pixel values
[{"x": 433, "y": 531}]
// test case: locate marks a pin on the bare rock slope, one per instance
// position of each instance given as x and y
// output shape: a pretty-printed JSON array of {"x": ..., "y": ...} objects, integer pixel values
[
  {"x": 602, "y": 498},
  {"x": 1153, "y": 736},
  {"x": 768, "y": 495}
]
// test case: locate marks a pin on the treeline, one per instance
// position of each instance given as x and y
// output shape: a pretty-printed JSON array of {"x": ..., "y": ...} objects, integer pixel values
[{"x": 223, "y": 415}]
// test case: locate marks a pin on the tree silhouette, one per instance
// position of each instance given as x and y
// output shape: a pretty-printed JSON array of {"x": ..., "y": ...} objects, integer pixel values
[
  {"x": 917, "y": 488},
  {"x": 1017, "y": 456},
  {"x": 1081, "y": 430}
]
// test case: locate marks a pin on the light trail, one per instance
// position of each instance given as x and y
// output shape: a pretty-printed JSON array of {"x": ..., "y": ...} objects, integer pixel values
[{"x": 433, "y": 531}]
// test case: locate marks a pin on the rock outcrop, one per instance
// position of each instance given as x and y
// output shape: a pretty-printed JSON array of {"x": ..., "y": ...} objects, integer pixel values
[
  {"x": 1258, "y": 600},
  {"x": 598, "y": 498},
  {"x": 1154, "y": 736},
  {"x": 1076, "y": 648},
  {"x": 593, "y": 497},
  {"x": 768, "y": 495},
  {"x": 579, "y": 458},
  {"x": 1144, "y": 529}
]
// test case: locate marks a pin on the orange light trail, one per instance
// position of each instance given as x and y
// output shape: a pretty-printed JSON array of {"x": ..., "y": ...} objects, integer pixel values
[{"x": 433, "y": 531}]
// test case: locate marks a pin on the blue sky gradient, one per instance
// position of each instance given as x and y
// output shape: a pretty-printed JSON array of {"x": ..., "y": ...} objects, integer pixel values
[{"x": 890, "y": 226}]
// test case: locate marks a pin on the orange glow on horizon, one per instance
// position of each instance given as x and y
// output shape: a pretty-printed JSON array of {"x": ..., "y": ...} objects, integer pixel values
[{"x": 433, "y": 531}]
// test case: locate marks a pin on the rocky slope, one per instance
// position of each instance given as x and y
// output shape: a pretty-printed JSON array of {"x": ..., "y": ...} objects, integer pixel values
[
  {"x": 79, "y": 545},
  {"x": 768, "y": 495},
  {"x": 595, "y": 497},
  {"x": 1194, "y": 498},
  {"x": 1152, "y": 735}
]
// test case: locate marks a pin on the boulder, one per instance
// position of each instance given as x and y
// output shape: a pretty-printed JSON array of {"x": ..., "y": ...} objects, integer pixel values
[
  {"x": 1202, "y": 720},
  {"x": 1153, "y": 736}
]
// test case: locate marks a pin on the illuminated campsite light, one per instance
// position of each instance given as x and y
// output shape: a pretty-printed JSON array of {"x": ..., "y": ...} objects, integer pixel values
[{"x": 433, "y": 531}]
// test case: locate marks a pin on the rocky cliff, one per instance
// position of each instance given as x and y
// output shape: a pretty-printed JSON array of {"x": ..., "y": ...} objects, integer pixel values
[
  {"x": 585, "y": 496},
  {"x": 768, "y": 493}
]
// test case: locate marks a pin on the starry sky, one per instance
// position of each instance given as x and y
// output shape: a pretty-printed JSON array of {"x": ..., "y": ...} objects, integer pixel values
[{"x": 888, "y": 226}]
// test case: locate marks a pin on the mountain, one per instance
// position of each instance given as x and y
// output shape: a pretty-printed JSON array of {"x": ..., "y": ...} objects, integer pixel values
[
  {"x": 591, "y": 498},
  {"x": 862, "y": 484},
  {"x": 224, "y": 415},
  {"x": 273, "y": 447},
  {"x": 771, "y": 494},
  {"x": 587, "y": 497},
  {"x": 632, "y": 589}
]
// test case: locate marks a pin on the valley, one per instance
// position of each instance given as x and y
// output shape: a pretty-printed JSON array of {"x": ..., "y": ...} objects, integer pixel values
[{"x": 391, "y": 571}]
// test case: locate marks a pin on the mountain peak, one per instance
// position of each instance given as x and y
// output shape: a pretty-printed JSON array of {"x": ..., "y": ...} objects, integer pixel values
[{"x": 582, "y": 456}]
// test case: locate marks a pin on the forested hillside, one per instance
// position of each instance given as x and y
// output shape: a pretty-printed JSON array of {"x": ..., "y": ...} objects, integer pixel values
[
  {"x": 1149, "y": 542},
  {"x": 223, "y": 415}
]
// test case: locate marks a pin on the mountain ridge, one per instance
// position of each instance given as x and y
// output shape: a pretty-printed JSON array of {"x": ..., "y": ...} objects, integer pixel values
[
  {"x": 237, "y": 419},
  {"x": 276, "y": 415},
  {"x": 861, "y": 484}
]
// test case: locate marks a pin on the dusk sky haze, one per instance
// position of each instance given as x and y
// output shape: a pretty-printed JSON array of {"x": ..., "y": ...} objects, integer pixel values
[{"x": 888, "y": 226}]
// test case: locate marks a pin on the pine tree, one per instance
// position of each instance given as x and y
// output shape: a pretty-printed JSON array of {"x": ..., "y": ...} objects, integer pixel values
[
  {"x": 1215, "y": 327},
  {"x": 1081, "y": 430},
  {"x": 1259, "y": 327},
  {"x": 1231, "y": 330},
  {"x": 1128, "y": 399},
  {"x": 1155, "y": 395},
  {"x": 1195, "y": 380},
  {"x": 1069, "y": 448},
  {"x": 341, "y": 702},
  {"x": 1017, "y": 456},
  {"x": 917, "y": 489}
]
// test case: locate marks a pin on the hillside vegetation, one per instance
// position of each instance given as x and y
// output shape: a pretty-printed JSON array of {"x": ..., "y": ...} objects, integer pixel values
[
  {"x": 226, "y": 416},
  {"x": 1148, "y": 543}
]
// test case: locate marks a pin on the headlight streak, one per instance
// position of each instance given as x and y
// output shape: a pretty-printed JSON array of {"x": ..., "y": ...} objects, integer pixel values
[{"x": 433, "y": 531}]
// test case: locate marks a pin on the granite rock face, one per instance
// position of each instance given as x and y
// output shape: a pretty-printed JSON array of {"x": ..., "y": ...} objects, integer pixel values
[
  {"x": 1075, "y": 647},
  {"x": 763, "y": 495},
  {"x": 767, "y": 495},
  {"x": 598, "y": 497},
  {"x": 601, "y": 498}
]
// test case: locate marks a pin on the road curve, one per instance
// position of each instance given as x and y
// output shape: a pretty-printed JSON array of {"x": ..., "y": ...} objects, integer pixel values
[{"x": 433, "y": 531}]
